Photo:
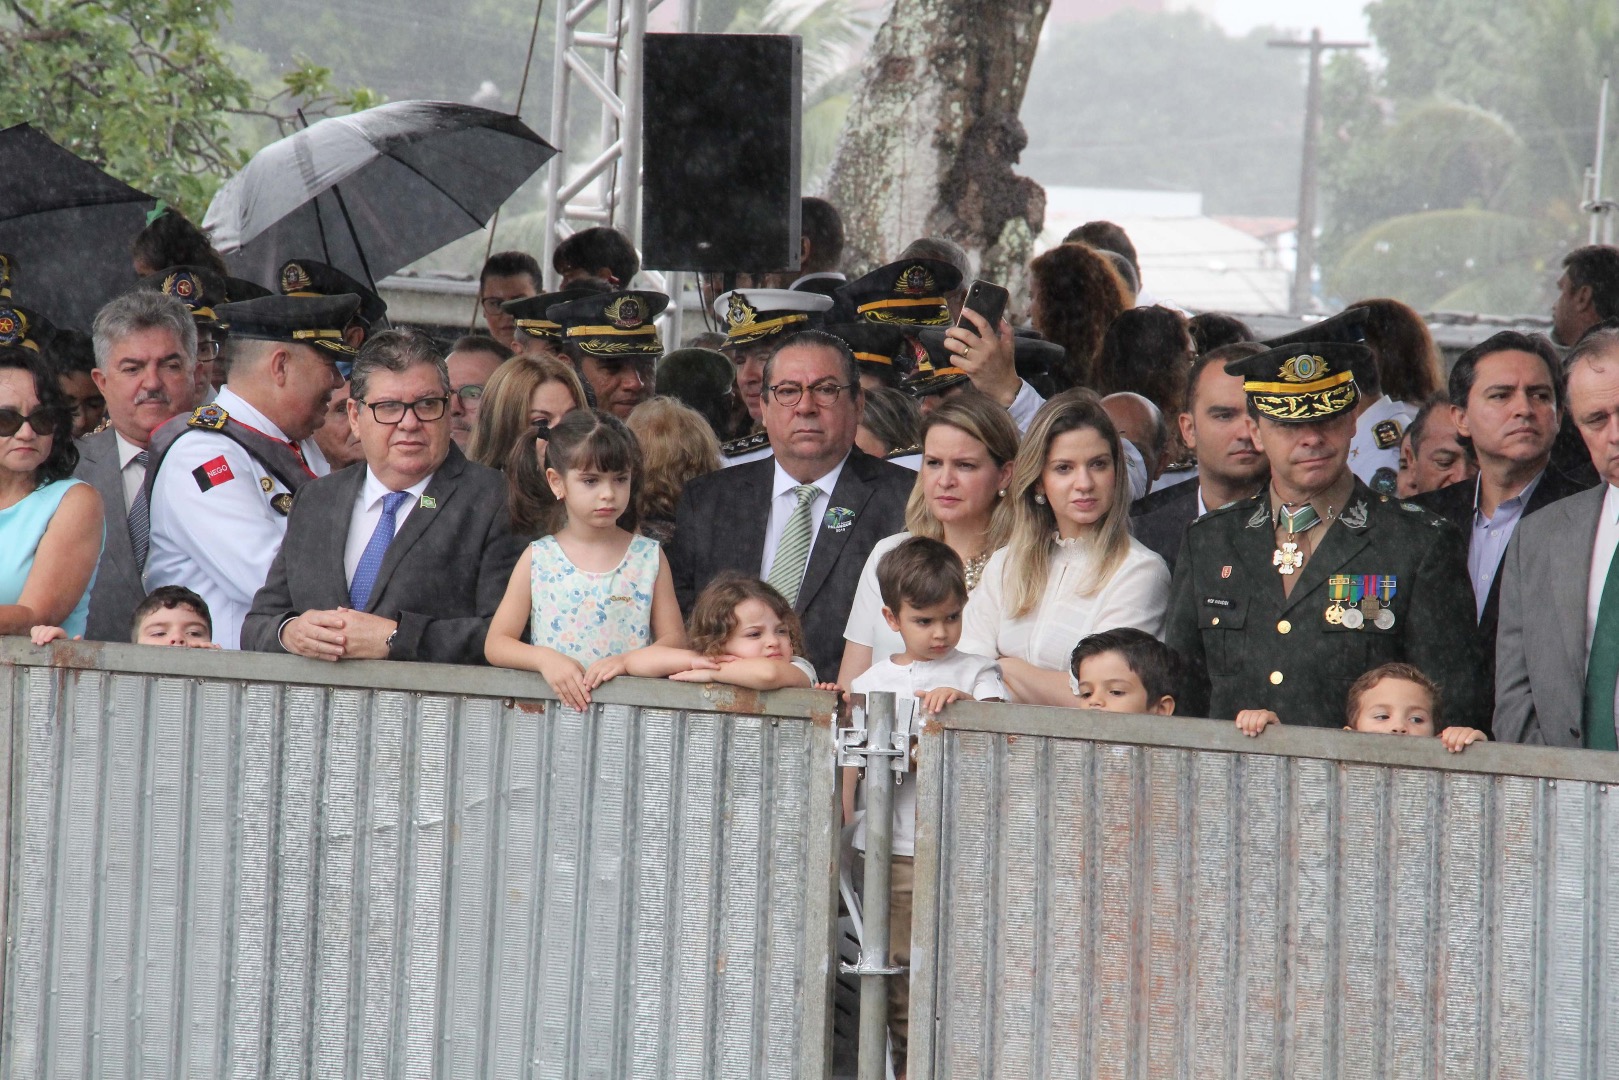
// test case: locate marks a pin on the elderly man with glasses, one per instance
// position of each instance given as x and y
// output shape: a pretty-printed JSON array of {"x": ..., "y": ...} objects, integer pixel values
[
  {"x": 806, "y": 518},
  {"x": 404, "y": 557}
]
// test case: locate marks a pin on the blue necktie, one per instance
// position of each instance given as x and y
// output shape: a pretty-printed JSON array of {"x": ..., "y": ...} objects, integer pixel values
[{"x": 365, "y": 574}]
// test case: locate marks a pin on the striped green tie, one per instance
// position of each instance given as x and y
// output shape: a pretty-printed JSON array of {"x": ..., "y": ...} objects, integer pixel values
[{"x": 792, "y": 554}]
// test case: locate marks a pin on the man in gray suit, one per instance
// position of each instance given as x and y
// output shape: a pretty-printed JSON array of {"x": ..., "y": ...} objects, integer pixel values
[
  {"x": 404, "y": 556},
  {"x": 1557, "y": 651},
  {"x": 146, "y": 357}
]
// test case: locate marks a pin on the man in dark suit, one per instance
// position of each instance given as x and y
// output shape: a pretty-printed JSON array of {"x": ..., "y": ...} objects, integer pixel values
[
  {"x": 146, "y": 357},
  {"x": 1229, "y": 467},
  {"x": 806, "y": 519},
  {"x": 1508, "y": 402},
  {"x": 404, "y": 557}
]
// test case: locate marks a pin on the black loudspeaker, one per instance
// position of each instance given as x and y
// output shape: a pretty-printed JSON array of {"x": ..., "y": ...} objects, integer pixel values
[{"x": 720, "y": 152}]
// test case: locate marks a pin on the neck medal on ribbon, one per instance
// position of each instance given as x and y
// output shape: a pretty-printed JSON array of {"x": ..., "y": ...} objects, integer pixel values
[{"x": 1288, "y": 558}]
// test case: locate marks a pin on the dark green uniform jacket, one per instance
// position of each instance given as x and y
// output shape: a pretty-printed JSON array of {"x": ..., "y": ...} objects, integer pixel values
[{"x": 1254, "y": 648}]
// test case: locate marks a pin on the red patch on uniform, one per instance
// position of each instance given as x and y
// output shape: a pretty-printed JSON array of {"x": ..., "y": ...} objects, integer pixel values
[{"x": 210, "y": 474}]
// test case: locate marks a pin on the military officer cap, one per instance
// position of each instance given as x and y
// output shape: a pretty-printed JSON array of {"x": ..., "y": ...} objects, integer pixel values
[
  {"x": 239, "y": 289},
  {"x": 936, "y": 369},
  {"x": 1302, "y": 383},
  {"x": 21, "y": 327},
  {"x": 910, "y": 292},
  {"x": 317, "y": 321},
  {"x": 198, "y": 288},
  {"x": 1033, "y": 356},
  {"x": 529, "y": 314},
  {"x": 1348, "y": 327},
  {"x": 7, "y": 264},
  {"x": 752, "y": 315},
  {"x": 305, "y": 277},
  {"x": 612, "y": 325},
  {"x": 879, "y": 348}
]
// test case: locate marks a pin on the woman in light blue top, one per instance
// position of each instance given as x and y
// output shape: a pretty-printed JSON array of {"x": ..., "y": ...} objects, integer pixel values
[{"x": 50, "y": 523}]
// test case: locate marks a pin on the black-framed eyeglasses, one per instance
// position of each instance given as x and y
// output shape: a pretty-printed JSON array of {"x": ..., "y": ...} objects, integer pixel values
[
  {"x": 392, "y": 412},
  {"x": 208, "y": 350},
  {"x": 469, "y": 392},
  {"x": 825, "y": 393},
  {"x": 42, "y": 420}
]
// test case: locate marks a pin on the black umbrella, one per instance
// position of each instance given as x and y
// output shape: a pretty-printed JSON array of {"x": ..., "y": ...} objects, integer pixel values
[
  {"x": 372, "y": 192},
  {"x": 68, "y": 225}
]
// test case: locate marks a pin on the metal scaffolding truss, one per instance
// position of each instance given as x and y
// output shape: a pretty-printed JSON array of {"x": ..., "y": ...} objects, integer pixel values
[{"x": 596, "y": 108}]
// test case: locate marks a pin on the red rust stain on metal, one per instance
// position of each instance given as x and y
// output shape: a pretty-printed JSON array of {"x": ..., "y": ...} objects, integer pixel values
[
  {"x": 77, "y": 655},
  {"x": 536, "y": 708}
]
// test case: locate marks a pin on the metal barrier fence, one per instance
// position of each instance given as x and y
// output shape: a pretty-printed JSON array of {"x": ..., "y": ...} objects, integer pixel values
[
  {"x": 227, "y": 864},
  {"x": 1145, "y": 897}
]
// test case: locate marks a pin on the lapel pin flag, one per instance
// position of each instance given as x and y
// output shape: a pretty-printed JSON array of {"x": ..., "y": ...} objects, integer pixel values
[{"x": 429, "y": 503}]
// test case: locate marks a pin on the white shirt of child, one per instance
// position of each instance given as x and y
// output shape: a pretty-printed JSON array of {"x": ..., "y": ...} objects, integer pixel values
[{"x": 976, "y": 675}]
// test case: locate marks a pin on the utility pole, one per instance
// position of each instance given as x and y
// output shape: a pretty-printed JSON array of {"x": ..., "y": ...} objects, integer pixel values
[{"x": 1305, "y": 263}]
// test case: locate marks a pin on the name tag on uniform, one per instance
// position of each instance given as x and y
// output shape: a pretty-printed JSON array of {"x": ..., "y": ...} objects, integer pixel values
[
  {"x": 210, "y": 474},
  {"x": 1215, "y": 601}
]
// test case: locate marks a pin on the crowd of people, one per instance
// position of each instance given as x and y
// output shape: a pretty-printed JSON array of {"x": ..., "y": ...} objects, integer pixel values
[{"x": 853, "y": 484}]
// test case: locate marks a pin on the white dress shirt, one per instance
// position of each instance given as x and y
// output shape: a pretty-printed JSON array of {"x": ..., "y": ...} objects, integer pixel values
[
  {"x": 782, "y": 504},
  {"x": 1024, "y": 406},
  {"x": 368, "y": 511},
  {"x": 1137, "y": 595},
  {"x": 220, "y": 541},
  {"x": 1601, "y": 556},
  {"x": 131, "y": 474}
]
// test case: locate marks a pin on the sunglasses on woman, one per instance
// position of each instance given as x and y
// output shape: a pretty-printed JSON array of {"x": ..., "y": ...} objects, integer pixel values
[{"x": 42, "y": 420}]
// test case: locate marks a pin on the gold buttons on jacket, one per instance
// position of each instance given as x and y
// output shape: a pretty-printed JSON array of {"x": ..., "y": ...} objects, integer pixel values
[
  {"x": 1284, "y": 627},
  {"x": 1276, "y": 678}
]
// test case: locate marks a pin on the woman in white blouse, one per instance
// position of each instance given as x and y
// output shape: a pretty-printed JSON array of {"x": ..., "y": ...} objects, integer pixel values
[
  {"x": 1070, "y": 567},
  {"x": 968, "y": 444}
]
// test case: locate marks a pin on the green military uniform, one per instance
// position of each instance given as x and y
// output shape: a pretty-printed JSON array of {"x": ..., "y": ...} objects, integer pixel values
[
  {"x": 1387, "y": 580},
  {"x": 1262, "y": 650}
]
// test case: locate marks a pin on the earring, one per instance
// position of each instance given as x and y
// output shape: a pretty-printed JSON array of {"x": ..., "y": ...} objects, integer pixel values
[
  {"x": 1001, "y": 494},
  {"x": 1041, "y": 499}
]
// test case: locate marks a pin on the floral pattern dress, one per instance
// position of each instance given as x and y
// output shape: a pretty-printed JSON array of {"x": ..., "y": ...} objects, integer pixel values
[{"x": 588, "y": 616}]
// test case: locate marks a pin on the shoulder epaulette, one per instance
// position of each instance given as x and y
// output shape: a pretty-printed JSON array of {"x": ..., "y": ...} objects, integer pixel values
[
  {"x": 902, "y": 451},
  {"x": 209, "y": 417},
  {"x": 747, "y": 444}
]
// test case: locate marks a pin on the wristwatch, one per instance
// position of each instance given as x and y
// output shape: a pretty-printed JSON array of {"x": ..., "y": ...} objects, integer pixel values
[{"x": 389, "y": 643}]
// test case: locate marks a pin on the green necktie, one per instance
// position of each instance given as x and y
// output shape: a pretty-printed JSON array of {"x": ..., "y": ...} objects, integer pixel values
[
  {"x": 1602, "y": 670},
  {"x": 792, "y": 554}
]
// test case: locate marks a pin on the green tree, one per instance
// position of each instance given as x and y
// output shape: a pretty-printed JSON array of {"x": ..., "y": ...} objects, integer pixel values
[
  {"x": 144, "y": 89},
  {"x": 1168, "y": 101},
  {"x": 1455, "y": 172}
]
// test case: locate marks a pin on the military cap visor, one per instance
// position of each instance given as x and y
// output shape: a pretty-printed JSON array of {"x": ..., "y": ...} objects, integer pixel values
[
  {"x": 316, "y": 321},
  {"x": 613, "y": 325},
  {"x": 936, "y": 369},
  {"x": 1302, "y": 383},
  {"x": 305, "y": 278},
  {"x": 881, "y": 346},
  {"x": 752, "y": 315},
  {"x": 530, "y": 313}
]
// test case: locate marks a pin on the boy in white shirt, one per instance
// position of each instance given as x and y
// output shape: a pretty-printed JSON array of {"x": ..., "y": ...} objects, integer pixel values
[{"x": 924, "y": 589}]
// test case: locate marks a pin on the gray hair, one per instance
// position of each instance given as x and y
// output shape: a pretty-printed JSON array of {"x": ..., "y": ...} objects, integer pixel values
[
  {"x": 1597, "y": 342},
  {"x": 817, "y": 339},
  {"x": 397, "y": 351},
  {"x": 143, "y": 309}
]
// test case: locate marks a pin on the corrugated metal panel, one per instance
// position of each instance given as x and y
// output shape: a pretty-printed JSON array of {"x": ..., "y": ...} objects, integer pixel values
[
  {"x": 1156, "y": 898},
  {"x": 220, "y": 866}
]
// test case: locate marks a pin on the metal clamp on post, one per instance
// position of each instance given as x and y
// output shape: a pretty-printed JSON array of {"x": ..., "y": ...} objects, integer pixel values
[{"x": 854, "y": 743}]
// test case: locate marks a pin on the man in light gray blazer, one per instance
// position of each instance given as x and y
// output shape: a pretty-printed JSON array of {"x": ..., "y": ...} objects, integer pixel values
[
  {"x": 1554, "y": 578},
  {"x": 146, "y": 359},
  {"x": 404, "y": 556}
]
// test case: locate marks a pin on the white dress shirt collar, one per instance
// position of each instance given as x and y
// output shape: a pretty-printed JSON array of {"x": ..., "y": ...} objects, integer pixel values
[
  {"x": 784, "y": 483},
  {"x": 240, "y": 410},
  {"x": 373, "y": 491},
  {"x": 126, "y": 449}
]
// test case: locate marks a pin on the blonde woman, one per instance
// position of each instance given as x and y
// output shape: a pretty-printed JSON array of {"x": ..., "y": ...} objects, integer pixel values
[
  {"x": 1070, "y": 567},
  {"x": 523, "y": 392},
  {"x": 676, "y": 445},
  {"x": 968, "y": 444}
]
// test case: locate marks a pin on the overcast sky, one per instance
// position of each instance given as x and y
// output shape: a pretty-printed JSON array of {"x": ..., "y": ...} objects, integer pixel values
[{"x": 1342, "y": 20}]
